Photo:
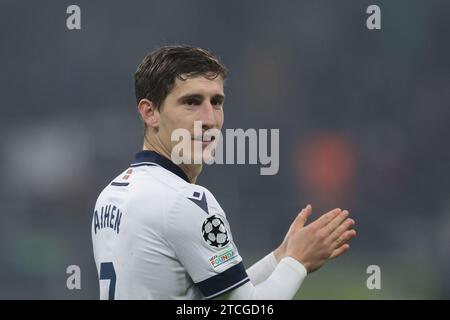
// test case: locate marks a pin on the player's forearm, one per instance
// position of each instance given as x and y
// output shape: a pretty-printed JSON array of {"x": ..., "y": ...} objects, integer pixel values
[
  {"x": 282, "y": 284},
  {"x": 262, "y": 269}
]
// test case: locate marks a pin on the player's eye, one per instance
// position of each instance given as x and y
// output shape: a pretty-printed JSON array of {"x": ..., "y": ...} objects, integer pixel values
[
  {"x": 217, "y": 102},
  {"x": 192, "y": 102}
]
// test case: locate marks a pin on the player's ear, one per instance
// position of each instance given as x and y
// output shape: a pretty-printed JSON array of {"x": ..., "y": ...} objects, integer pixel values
[{"x": 149, "y": 113}]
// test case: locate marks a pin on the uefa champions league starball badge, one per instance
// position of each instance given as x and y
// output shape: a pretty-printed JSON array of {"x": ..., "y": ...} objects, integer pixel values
[{"x": 214, "y": 232}]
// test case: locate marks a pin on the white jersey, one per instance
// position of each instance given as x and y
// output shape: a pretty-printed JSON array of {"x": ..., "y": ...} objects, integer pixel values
[{"x": 157, "y": 236}]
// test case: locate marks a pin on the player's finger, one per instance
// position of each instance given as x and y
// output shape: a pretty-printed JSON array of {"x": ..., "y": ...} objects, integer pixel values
[
  {"x": 344, "y": 238},
  {"x": 294, "y": 223},
  {"x": 301, "y": 218},
  {"x": 326, "y": 218},
  {"x": 336, "y": 222},
  {"x": 339, "y": 251},
  {"x": 346, "y": 225}
]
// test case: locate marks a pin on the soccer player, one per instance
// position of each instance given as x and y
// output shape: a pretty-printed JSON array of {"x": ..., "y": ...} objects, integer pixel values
[{"x": 158, "y": 235}]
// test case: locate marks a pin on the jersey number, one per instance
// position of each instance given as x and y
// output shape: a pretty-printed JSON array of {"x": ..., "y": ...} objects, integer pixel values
[{"x": 107, "y": 272}]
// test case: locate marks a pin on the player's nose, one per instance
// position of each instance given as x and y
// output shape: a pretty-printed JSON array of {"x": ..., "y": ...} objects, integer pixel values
[{"x": 208, "y": 117}]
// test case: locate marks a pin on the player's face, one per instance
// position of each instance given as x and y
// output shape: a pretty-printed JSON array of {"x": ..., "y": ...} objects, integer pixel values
[{"x": 194, "y": 99}]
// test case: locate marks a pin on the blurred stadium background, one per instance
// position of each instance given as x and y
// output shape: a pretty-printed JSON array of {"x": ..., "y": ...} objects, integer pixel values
[{"x": 363, "y": 118}]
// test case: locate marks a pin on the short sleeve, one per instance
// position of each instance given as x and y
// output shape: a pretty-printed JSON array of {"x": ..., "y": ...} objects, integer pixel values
[{"x": 200, "y": 235}]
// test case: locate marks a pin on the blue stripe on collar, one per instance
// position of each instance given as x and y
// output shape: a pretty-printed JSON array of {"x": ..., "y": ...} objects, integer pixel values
[{"x": 154, "y": 157}]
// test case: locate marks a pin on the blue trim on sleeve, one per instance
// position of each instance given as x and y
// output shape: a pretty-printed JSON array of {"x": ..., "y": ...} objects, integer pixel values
[{"x": 223, "y": 282}]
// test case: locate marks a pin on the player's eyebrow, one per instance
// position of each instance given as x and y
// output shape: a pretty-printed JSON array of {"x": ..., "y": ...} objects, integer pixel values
[
  {"x": 190, "y": 96},
  {"x": 219, "y": 97}
]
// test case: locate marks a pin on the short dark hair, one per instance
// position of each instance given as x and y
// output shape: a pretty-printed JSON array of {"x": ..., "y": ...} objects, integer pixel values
[{"x": 155, "y": 76}]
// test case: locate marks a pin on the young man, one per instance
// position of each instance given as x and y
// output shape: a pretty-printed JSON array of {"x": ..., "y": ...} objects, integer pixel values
[{"x": 158, "y": 235}]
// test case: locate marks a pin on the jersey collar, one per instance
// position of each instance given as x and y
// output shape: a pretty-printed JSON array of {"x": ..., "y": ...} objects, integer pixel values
[{"x": 147, "y": 156}]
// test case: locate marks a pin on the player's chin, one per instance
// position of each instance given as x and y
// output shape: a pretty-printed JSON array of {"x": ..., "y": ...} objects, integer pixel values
[
  {"x": 205, "y": 157},
  {"x": 203, "y": 152}
]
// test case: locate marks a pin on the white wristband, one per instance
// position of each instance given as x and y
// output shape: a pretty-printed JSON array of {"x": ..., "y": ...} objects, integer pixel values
[
  {"x": 282, "y": 284},
  {"x": 262, "y": 269},
  {"x": 295, "y": 265}
]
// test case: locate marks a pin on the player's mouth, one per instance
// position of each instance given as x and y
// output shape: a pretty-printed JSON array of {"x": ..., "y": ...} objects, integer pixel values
[{"x": 205, "y": 139}]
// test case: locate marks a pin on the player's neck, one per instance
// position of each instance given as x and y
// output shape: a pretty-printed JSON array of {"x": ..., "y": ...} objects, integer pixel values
[{"x": 192, "y": 171}]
